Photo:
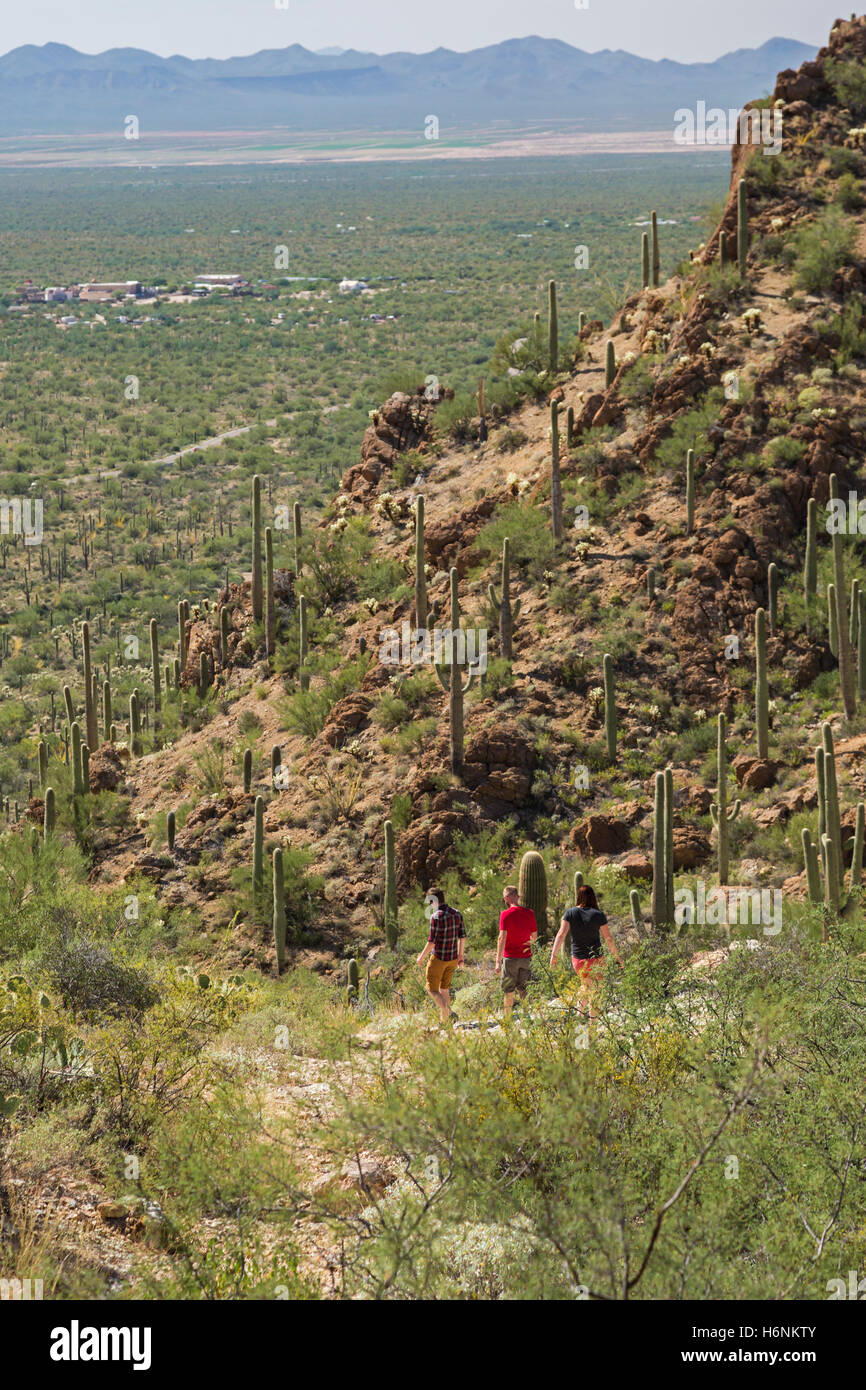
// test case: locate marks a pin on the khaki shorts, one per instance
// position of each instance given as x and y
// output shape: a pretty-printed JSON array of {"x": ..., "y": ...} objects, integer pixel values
[
  {"x": 516, "y": 974},
  {"x": 440, "y": 973}
]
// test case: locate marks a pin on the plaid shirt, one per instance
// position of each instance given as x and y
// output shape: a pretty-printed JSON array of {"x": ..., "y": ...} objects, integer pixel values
[{"x": 446, "y": 928}]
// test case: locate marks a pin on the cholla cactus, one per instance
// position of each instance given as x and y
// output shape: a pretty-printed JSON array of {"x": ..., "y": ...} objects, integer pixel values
[{"x": 752, "y": 320}]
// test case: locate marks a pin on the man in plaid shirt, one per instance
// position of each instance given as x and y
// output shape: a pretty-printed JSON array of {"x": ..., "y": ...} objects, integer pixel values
[{"x": 446, "y": 941}]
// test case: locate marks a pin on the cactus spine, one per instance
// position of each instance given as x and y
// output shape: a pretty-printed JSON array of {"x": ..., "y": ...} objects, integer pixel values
[
  {"x": 762, "y": 695},
  {"x": 420, "y": 577},
  {"x": 810, "y": 566},
  {"x": 609, "y": 707},
  {"x": 555, "y": 476},
  {"x": 609, "y": 364},
  {"x": 722, "y": 817},
  {"x": 773, "y": 597},
  {"x": 508, "y": 612},
  {"x": 170, "y": 828},
  {"x": 532, "y": 888},
  {"x": 644, "y": 261},
  {"x": 656, "y": 258},
  {"x": 279, "y": 909},
  {"x": 390, "y": 896},
  {"x": 552, "y": 330},
  {"x": 690, "y": 491},
  {"x": 454, "y": 684},
  {"x": 259, "y": 847},
  {"x": 742, "y": 228},
  {"x": 257, "y": 587},
  {"x": 846, "y": 663},
  {"x": 90, "y": 727},
  {"x": 49, "y": 814},
  {"x": 303, "y": 674}
]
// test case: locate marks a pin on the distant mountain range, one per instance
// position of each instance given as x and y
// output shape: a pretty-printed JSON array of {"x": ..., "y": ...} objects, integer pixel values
[{"x": 56, "y": 90}]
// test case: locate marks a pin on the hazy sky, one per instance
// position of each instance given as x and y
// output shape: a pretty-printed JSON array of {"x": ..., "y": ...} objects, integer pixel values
[{"x": 681, "y": 29}]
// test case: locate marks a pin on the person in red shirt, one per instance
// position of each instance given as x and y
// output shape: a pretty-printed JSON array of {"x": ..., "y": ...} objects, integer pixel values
[{"x": 518, "y": 931}]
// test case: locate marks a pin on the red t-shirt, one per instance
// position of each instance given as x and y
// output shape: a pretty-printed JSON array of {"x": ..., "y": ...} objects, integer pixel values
[{"x": 519, "y": 924}]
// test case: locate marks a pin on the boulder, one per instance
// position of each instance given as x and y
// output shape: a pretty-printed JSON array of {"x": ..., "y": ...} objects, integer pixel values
[
  {"x": 754, "y": 773},
  {"x": 691, "y": 847},
  {"x": 106, "y": 768},
  {"x": 600, "y": 834},
  {"x": 347, "y": 715}
]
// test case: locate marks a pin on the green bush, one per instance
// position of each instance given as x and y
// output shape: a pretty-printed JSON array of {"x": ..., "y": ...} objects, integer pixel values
[{"x": 820, "y": 249}]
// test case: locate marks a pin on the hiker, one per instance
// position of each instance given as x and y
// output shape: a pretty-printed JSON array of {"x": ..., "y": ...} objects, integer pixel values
[
  {"x": 587, "y": 924},
  {"x": 518, "y": 932},
  {"x": 447, "y": 942}
]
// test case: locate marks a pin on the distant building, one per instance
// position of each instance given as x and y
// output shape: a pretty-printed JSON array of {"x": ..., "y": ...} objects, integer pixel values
[
  {"x": 56, "y": 294},
  {"x": 353, "y": 286},
  {"x": 28, "y": 293},
  {"x": 100, "y": 290},
  {"x": 219, "y": 281}
]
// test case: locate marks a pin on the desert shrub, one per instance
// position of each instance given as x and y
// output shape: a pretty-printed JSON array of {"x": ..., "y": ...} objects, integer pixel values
[
  {"x": 95, "y": 978},
  {"x": 529, "y": 530},
  {"x": 820, "y": 249},
  {"x": 848, "y": 194},
  {"x": 847, "y": 77},
  {"x": 690, "y": 431}
]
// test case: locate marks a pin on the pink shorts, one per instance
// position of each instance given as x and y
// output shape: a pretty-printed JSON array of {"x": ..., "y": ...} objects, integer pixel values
[{"x": 591, "y": 970}]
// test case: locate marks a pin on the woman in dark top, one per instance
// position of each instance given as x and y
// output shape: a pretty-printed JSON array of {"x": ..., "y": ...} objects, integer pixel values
[{"x": 588, "y": 925}]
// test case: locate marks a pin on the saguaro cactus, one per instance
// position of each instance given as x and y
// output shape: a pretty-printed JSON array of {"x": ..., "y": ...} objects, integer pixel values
[
  {"x": 420, "y": 577},
  {"x": 248, "y": 768},
  {"x": 224, "y": 635},
  {"x": 813, "y": 867},
  {"x": 454, "y": 683},
  {"x": 270, "y": 608},
  {"x": 742, "y": 228},
  {"x": 555, "y": 476},
  {"x": 303, "y": 674},
  {"x": 90, "y": 725},
  {"x": 722, "y": 817},
  {"x": 508, "y": 612},
  {"x": 762, "y": 693},
  {"x": 181, "y": 632},
  {"x": 552, "y": 329},
  {"x": 644, "y": 260},
  {"x": 77, "y": 779},
  {"x": 257, "y": 586},
  {"x": 352, "y": 981},
  {"x": 832, "y": 621},
  {"x": 49, "y": 813},
  {"x": 279, "y": 909},
  {"x": 70, "y": 708},
  {"x": 690, "y": 491},
  {"x": 609, "y": 364},
  {"x": 569, "y": 428},
  {"x": 609, "y": 707},
  {"x": 106, "y": 710},
  {"x": 773, "y": 596},
  {"x": 654, "y": 236},
  {"x": 154, "y": 661},
  {"x": 846, "y": 663},
  {"x": 43, "y": 763},
  {"x": 861, "y": 644},
  {"x": 170, "y": 828},
  {"x": 662, "y": 904},
  {"x": 810, "y": 565},
  {"x": 259, "y": 846},
  {"x": 134, "y": 725},
  {"x": 532, "y": 888},
  {"x": 390, "y": 893},
  {"x": 296, "y": 536}
]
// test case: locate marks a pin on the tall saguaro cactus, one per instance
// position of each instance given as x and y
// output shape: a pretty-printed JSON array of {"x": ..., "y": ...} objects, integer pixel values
[
  {"x": 846, "y": 663},
  {"x": 690, "y": 491},
  {"x": 555, "y": 475},
  {"x": 77, "y": 779},
  {"x": 154, "y": 661},
  {"x": 454, "y": 684},
  {"x": 656, "y": 257},
  {"x": 296, "y": 536},
  {"x": 259, "y": 846},
  {"x": 420, "y": 576},
  {"x": 810, "y": 564},
  {"x": 762, "y": 693},
  {"x": 508, "y": 612},
  {"x": 49, "y": 813},
  {"x": 644, "y": 261},
  {"x": 830, "y": 836},
  {"x": 303, "y": 674},
  {"x": 90, "y": 726},
  {"x": 609, "y": 365},
  {"x": 722, "y": 817},
  {"x": 662, "y": 904},
  {"x": 279, "y": 909},
  {"x": 532, "y": 889},
  {"x": 390, "y": 895},
  {"x": 270, "y": 609},
  {"x": 552, "y": 329},
  {"x": 257, "y": 586},
  {"x": 773, "y": 596}
]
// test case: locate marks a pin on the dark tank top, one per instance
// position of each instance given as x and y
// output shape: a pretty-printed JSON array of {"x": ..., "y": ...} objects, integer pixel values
[{"x": 585, "y": 924}]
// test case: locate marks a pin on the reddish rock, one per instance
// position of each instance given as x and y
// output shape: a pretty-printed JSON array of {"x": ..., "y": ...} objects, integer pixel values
[
  {"x": 347, "y": 715},
  {"x": 106, "y": 768},
  {"x": 600, "y": 835},
  {"x": 754, "y": 773},
  {"x": 691, "y": 847},
  {"x": 498, "y": 764},
  {"x": 636, "y": 867},
  {"x": 424, "y": 850}
]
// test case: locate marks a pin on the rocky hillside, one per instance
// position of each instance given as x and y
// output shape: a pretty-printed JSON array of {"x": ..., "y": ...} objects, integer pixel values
[{"x": 762, "y": 374}]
